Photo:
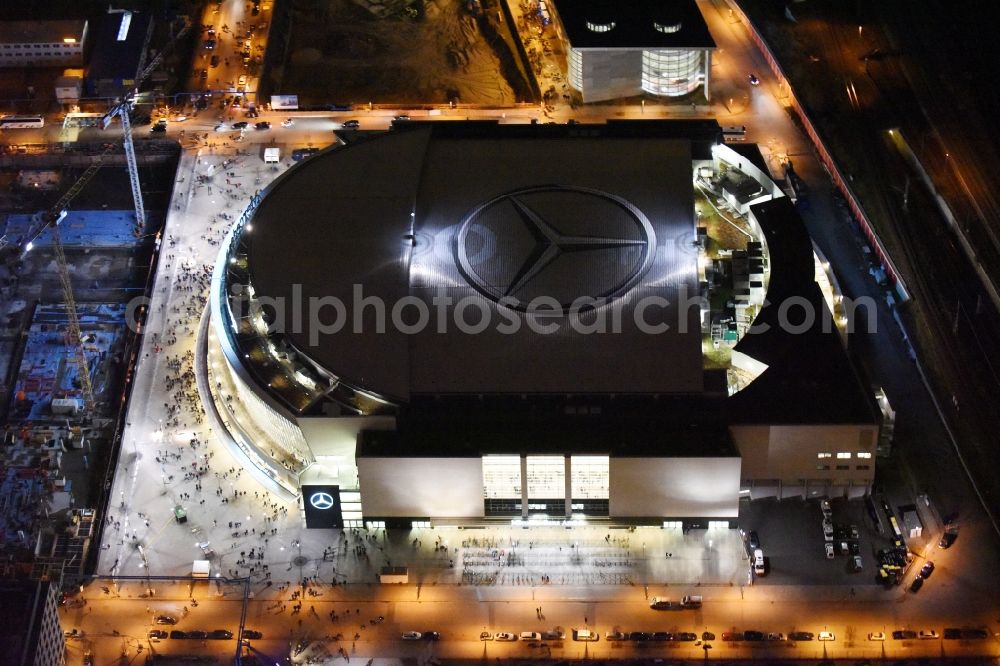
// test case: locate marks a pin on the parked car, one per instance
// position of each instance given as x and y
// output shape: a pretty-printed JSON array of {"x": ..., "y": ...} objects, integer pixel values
[
  {"x": 640, "y": 636},
  {"x": 903, "y": 634},
  {"x": 350, "y": 124},
  {"x": 506, "y": 636},
  {"x": 401, "y": 116},
  {"x": 157, "y": 633},
  {"x": 165, "y": 619},
  {"x": 250, "y": 633},
  {"x": 775, "y": 636},
  {"x": 876, "y": 636},
  {"x": 178, "y": 634},
  {"x": 300, "y": 154},
  {"x": 431, "y": 636},
  {"x": 707, "y": 636},
  {"x": 158, "y": 128},
  {"x": 917, "y": 583},
  {"x": 553, "y": 635},
  {"x": 200, "y": 635},
  {"x": 801, "y": 636},
  {"x": 263, "y": 125},
  {"x": 856, "y": 563},
  {"x": 485, "y": 636},
  {"x": 411, "y": 636},
  {"x": 829, "y": 550},
  {"x": 686, "y": 637},
  {"x": 241, "y": 125},
  {"x": 975, "y": 634},
  {"x": 732, "y": 635},
  {"x": 752, "y": 635},
  {"x": 585, "y": 635},
  {"x": 615, "y": 636},
  {"x": 753, "y": 539},
  {"x": 221, "y": 634},
  {"x": 287, "y": 122},
  {"x": 662, "y": 636},
  {"x": 530, "y": 636},
  {"x": 927, "y": 570},
  {"x": 754, "y": 81},
  {"x": 948, "y": 538},
  {"x": 827, "y": 636},
  {"x": 929, "y": 634},
  {"x": 952, "y": 633}
]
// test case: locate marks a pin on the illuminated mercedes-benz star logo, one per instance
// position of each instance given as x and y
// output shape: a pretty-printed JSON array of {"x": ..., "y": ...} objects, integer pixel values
[
  {"x": 321, "y": 501},
  {"x": 557, "y": 242}
]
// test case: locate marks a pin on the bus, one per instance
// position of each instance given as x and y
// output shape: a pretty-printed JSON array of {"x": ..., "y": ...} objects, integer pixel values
[
  {"x": 83, "y": 120},
  {"x": 21, "y": 122}
]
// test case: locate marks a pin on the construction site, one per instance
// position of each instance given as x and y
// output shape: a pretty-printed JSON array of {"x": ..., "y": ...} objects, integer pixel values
[{"x": 72, "y": 262}]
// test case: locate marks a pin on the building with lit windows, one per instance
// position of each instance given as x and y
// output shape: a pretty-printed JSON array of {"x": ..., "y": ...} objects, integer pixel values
[
  {"x": 42, "y": 43},
  {"x": 549, "y": 333},
  {"x": 31, "y": 633},
  {"x": 625, "y": 49}
]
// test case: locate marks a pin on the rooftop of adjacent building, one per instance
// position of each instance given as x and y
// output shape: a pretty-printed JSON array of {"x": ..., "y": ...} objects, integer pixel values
[
  {"x": 649, "y": 24},
  {"x": 42, "y": 32},
  {"x": 20, "y": 618}
]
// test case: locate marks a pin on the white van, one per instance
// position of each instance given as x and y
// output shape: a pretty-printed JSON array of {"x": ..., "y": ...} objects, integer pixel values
[
  {"x": 691, "y": 601},
  {"x": 758, "y": 562}
]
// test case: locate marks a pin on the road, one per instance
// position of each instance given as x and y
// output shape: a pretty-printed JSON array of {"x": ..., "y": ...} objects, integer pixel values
[{"x": 438, "y": 608}]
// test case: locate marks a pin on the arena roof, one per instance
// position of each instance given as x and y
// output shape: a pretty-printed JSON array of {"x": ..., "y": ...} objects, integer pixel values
[
  {"x": 810, "y": 377},
  {"x": 487, "y": 212},
  {"x": 651, "y": 24}
]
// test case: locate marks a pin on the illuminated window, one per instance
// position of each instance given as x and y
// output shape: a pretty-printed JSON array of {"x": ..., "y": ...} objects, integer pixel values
[
  {"x": 600, "y": 27},
  {"x": 824, "y": 455},
  {"x": 671, "y": 72},
  {"x": 844, "y": 455},
  {"x": 420, "y": 523},
  {"x": 502, "y": 477},
  {"x": 546, "y": 477},
  {"x": 667, "y": 27},
  {"x": 589, "y": 477},
  {"x": 864, "y": 454}
]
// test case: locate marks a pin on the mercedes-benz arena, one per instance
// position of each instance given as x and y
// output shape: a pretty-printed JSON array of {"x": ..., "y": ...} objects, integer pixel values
[{"x": 465, "y": 322}]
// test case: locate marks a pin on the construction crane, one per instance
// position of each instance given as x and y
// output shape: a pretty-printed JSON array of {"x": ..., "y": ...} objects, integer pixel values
[
  {"x": 121, "y": 110},
  {"x": 56, "y": 214}
]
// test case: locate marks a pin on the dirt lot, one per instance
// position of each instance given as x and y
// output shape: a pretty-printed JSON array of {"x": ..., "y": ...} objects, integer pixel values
[{"x": 339, "y": 51}]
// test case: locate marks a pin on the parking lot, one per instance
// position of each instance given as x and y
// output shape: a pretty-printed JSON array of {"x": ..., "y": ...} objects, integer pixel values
[{"x": 791, "y": 536}]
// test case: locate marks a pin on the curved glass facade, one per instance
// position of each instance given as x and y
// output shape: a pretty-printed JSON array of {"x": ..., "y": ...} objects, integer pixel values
[
  {"x": 671, "y": 73},
  {"x": 575, "y": 67}
]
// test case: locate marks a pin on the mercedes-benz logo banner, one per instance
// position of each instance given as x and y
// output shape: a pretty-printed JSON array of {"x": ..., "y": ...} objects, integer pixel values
[{"x": 322, "y": 505}]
